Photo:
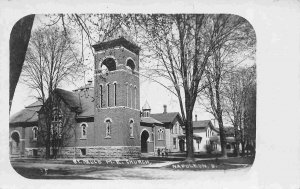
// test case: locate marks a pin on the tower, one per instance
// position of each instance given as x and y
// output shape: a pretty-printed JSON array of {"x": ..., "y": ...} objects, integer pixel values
[
  {"x": 117, "y": 98},
  {"x": 146, "y": 109}
]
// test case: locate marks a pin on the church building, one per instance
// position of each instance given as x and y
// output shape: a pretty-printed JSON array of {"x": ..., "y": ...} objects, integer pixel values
[{"x": 105, "y": 114}]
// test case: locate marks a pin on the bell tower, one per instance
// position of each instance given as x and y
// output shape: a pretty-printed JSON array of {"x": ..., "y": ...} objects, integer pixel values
[{"x": 117, "y": 98}]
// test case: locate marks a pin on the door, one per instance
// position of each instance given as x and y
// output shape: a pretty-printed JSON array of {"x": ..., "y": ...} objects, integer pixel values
[
  {"x": 144, "y": 138},
  {"x": 181, "y": 145}
]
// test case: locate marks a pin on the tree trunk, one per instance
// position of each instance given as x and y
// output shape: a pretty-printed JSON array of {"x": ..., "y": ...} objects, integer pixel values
[
  {"x": 237, "y": 149},
  {"x": 243, "y": 148},
  {"x": 189, "y": 137},
  {"x": 222, "y": 138},
  {"x": 48, "y": 115},
  {"x": 237, "y": 144},
  {"x": 220, "y": 118}
]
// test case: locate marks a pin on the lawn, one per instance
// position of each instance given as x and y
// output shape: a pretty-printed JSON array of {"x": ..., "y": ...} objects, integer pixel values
[{"x": 214, "y": 164}]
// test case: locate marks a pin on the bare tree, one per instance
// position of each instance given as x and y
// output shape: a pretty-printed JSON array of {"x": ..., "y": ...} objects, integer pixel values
[
  {"x": 236, "y": 46},
  {"x": 240, "y": 98},
  {"x": 249, "y": 125},
  {"x": 178, "y": 48},
  {"x": 239, "y": 94},
  {"x": 51, "y": 58},
  {"x": 63, "y": 126}
]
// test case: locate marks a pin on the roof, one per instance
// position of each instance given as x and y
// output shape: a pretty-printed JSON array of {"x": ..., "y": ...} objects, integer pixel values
[
  {"x": 37, "y": 103},
  {"x": 146, "y": 106},
  {"x": 86, "y": 86},
  {"x": 149, "y": 121},
  {"x": 87, "y": 103},
  {"x": 29, "y": 116},
  {"x": 82, "y": 100},
  {"x": 71, "y": 98},
  {"x": 216, "y": 138},
  {"x": 195, "y": 136},
  {"x": 202, "y": 125},
  {"x": 121, "y": 41},
  {"x": 168, "y": 117}
]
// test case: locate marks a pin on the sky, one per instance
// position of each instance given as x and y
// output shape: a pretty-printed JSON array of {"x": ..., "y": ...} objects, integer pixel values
[
  {"x": 155, "y": 94},
  {"x": 150, "y": 91}
]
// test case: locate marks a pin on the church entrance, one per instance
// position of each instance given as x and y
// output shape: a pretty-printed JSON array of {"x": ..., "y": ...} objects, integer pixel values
[
  {"x": 15, "y": 143},
  {"x": 181, "y": 145},
  {"x": 144, "y": 138}
]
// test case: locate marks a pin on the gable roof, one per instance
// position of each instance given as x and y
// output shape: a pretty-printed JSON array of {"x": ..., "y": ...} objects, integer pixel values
[
  {"x": 168, "y": 117},
  {"x": 203, "y": 124},
  {"x": 149, "y": 121},
  {"x": 86, "y": 99},
  {"x": 28, "y": 116},
  {"x": 37, "y": 103},
  {"x": 71, "y": 98},
  {"x": 82, "y": 101},
  {"x": 146, "y": 106}
]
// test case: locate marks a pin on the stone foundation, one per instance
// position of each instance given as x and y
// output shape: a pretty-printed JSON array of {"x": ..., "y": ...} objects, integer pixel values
[
  {"x": 91, "y": 152},
  {"x": 40, "y": 152}
]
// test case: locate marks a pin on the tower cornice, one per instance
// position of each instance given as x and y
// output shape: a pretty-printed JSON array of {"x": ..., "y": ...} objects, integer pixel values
[{"x": 122, "y": 41}]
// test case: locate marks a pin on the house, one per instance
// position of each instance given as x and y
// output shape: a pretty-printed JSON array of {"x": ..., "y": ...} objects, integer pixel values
[
  {"x": 172, "y": 123},
  {"x": 203, "y": 131}
]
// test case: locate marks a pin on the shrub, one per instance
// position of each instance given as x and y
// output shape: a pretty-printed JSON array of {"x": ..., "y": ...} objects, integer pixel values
[{"x": 208, "y": 148}]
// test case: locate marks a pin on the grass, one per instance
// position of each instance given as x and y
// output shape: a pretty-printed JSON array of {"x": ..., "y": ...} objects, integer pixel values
[{"x": 214, "y": 164}]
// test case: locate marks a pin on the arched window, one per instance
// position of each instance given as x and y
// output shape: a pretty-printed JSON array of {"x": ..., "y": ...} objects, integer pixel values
[
  {"x": 109, "y": 64},
  {"x": 127, "y": 90},
  {"x": 15, "y": 135},
  {"x": 160, "y": 134},
  {"x": 107, "y": 86},
  {"x": 131, "y": 94},
  {"x": 83, "y": 130},
  {"x": 34, "y": 132},
  {"x": 56, "y": 125},
  {"x": 115, "y": 94},
  {"x": 130, "y": 64},
  {"x": 101, "y": 96},
  {"x": 108, "y": 123},
  {"x": 135, "y": 97},
  {"x": 131, "y": 123}
]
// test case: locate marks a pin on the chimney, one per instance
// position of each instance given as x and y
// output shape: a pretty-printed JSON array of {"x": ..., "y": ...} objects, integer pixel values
[
  {"x": 165, "y": 109},
  {"x": 196, "y": 117}
]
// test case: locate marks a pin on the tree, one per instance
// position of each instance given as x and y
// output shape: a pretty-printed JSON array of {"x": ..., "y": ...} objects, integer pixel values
[
  {"x": 234, "y": 42},
  {"x": 51, "y": 58},
  {"x": 178, "y": 49},
  {"x": 239, "y": 95},
  {"x": 62, "y": 127}
]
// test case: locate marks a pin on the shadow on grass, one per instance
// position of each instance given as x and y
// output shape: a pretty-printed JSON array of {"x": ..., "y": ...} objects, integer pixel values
[{"x": 38, "y": 173}]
